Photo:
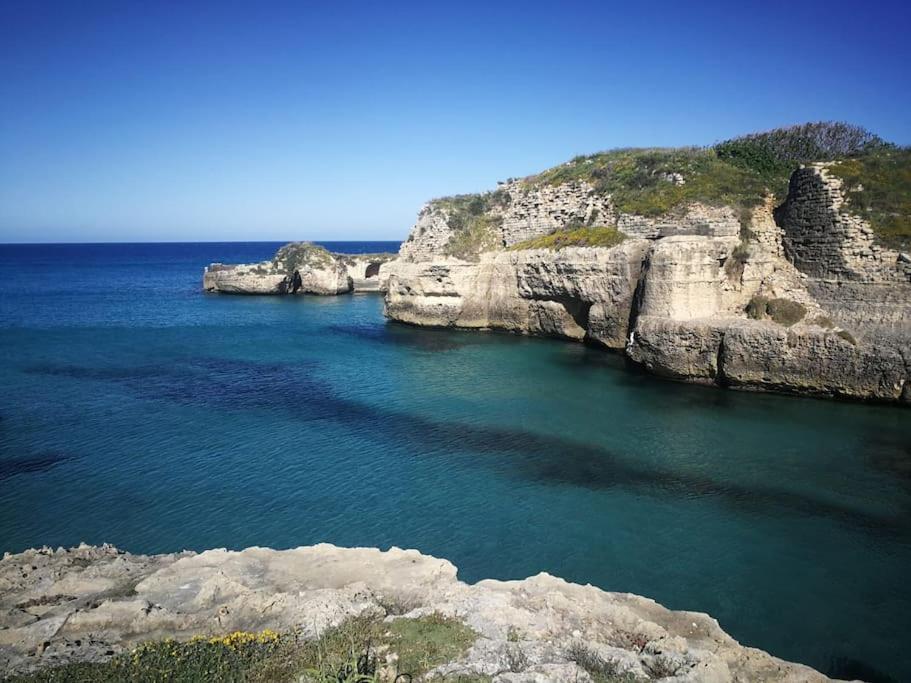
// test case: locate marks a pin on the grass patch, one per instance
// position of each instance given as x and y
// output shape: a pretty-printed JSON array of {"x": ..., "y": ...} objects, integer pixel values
[
  {"x": 594, "y": 236},
  {"x": 782, "y": 311},
  {"x": 354, "y": 652},
  {"x": 477, "y": 234},
  {"x": 643, "y": 181},
  {"x": 474, "y": 225},
  {"x": 878, "y": 188},
  {"x": 425, "y": 643}
]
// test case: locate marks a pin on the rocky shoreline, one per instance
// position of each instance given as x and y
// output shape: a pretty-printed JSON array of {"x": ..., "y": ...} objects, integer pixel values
[
  {"x": 801, "y": 300},
  {"x": 90, "y": 603}
]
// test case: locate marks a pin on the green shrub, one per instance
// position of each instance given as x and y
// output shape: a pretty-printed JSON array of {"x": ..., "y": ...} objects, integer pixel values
[
  {"x": 757, "y": 308},
  {"x": 295, "y": 255},
  {"x": 847, "y": 336},
  {"x": 596, "y": 236},
  {"x": 779, "y": 151},
  {"x": 782, "y": 311},
  {"x": 733, "y": 265}
]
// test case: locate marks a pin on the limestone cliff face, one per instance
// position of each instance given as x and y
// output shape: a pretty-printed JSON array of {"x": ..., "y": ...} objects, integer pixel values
[
  {"x": 89, "y": 603},
  {"x": 574, "y": 293},
  {"x": 299, "y": 268},
  {"x": 802, "y": 301}
]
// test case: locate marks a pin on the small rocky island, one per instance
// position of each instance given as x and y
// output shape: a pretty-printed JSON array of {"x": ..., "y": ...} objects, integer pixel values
[
  {"x": 270, "y": 615},
  {"x": 300, "y": 268},
  {"x": 777, "y": 261}
]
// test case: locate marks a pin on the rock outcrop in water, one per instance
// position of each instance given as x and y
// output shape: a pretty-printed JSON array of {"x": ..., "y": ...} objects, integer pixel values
[
  {"x": 299, "y": 268},
  {"x": 802, "y": 297},
  {"x": 89, "y": 603}
]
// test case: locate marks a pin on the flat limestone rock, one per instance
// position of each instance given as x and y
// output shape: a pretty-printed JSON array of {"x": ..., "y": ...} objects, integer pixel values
[{"x": 88, "y": 603}]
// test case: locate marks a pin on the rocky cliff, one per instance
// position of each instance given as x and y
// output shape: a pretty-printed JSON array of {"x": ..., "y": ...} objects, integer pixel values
[
  {"x": 300, "y": 268},
  {"x": 89, "y": 604},
  {"x": 717, "y": 279}
]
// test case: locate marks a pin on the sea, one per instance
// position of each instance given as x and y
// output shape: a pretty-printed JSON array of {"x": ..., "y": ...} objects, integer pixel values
[{"x": 138, "y": 410}]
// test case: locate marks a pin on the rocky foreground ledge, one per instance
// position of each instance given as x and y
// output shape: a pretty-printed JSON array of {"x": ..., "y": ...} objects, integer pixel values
[{"x": 92, "y": 603}]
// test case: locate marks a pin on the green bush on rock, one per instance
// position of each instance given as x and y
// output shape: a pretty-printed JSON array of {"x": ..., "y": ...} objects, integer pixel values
[{"x": 782, "y": 311}]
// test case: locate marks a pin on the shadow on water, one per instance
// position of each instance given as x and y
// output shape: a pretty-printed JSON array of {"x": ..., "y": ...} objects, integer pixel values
[
  {"x": 11, "y": 465},
  {"x": 40, "y": 462},
  {"x": 434, "y": 340},
  {"x": 293, "y": 389},
  {"x": 848, "y": 669},
  {"x": 890, "y": 455},
  {"x": 419, "y": 338}
]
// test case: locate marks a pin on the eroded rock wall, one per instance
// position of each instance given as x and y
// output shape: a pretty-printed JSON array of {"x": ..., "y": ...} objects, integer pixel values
[
  {"x": 539, "y": 210},
  {"x": 576, "y": 293},
  {"x": 859, "y": 281}
]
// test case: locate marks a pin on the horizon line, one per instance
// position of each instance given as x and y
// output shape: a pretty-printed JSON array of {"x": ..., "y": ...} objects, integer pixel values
[{"x": 283, "y": 241}]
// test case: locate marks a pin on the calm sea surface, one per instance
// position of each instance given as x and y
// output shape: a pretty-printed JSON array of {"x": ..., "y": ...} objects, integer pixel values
[{"x": 137, "y": 410}]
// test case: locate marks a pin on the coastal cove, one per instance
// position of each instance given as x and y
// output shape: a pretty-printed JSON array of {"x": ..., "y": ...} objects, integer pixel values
[{"x": 126, "y": 389}]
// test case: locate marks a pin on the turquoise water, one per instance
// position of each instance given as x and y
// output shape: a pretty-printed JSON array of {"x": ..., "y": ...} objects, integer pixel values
[{"x": 137, "y": 410}]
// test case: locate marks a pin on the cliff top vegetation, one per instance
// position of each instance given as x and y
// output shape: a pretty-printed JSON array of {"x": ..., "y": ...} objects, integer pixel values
[
  {"x": 740, "y": 172},
  {"x": 878, "y": 188}
]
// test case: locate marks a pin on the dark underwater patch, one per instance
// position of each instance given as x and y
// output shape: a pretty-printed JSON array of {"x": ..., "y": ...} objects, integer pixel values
[
  {"x": 891, "y": 456},
  {"x": 420, "y": 339},
  {"x": 849, "y": 669},
  {"x": 294, "y": 389},
  {"x": 41, "y": 462}
]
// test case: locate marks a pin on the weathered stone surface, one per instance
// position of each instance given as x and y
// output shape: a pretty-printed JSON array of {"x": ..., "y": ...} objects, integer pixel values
[
  {"x": 257, "y": 278},
  {"x": 695, "y": 219},
  {"x": 811, "y": 360},
  {"x": 686, "y": 350},
  {"x": 88, "y": 603},
  {"x": 764, "y": 356}
]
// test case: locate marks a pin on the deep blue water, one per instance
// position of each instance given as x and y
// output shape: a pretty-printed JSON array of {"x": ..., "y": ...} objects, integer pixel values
[{"x": 137, "y": 410}]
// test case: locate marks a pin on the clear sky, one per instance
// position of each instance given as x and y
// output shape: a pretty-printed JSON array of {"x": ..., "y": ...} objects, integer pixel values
[{"x": 134, "y": 121}]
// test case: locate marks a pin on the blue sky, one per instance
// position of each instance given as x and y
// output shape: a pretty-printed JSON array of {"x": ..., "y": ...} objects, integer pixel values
[{"x": 134, "y": 121}]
